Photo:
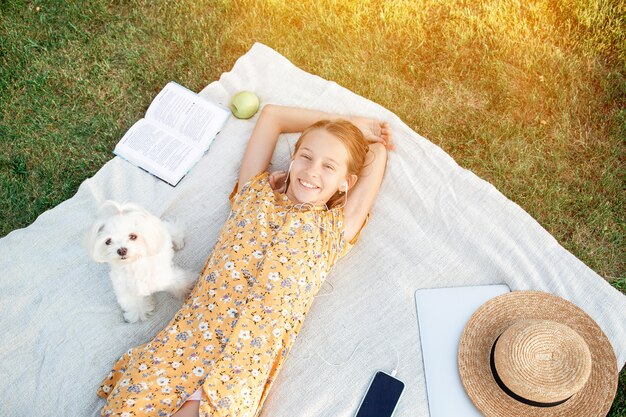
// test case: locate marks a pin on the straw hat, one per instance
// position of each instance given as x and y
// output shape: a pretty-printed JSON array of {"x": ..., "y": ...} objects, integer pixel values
[{"x": 529, "y": 353}]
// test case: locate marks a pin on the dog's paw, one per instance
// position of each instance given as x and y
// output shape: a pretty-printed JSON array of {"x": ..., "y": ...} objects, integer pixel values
[
  {"x": 176, "y": 233},
  {"x": 131, "y": 316},
  {"x": 178, "y": 244},
  {"x": 141, "y": 312},
  {"x": 185, "y": 281}
]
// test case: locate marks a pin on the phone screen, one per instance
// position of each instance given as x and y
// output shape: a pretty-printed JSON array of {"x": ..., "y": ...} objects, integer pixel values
[{"x": 382, "y": 396}]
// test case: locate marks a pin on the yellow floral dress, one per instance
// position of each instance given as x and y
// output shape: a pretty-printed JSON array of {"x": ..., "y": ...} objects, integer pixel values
[{"x": 235, "y": 329}]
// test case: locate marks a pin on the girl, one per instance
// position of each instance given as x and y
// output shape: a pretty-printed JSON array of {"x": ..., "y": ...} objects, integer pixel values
[{"x": 222, "y": 351}]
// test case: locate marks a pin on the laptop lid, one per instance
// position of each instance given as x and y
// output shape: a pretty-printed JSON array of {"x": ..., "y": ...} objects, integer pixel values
[{"x": 442, "y": 314}]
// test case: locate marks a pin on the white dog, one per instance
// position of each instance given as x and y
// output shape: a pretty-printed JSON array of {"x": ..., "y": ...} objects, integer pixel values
[{"x": 139, "y": 248}]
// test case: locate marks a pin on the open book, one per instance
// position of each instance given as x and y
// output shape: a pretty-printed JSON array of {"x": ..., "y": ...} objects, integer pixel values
[{"x": 177, "y": 130}]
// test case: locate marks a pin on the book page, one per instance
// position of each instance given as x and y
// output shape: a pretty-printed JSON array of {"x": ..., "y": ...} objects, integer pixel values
[
  {"x": 186, "y": 112},
  {"x": 157, "y": 151}
]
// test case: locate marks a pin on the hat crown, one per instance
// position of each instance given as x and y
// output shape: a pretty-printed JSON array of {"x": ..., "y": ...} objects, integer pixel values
[
  {"x": 542, "y": 360},
  {"x": 477, "y": 363}
]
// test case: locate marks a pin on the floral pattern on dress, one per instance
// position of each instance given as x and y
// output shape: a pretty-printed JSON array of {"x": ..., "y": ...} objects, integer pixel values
[{"x": 238, "y": 324}]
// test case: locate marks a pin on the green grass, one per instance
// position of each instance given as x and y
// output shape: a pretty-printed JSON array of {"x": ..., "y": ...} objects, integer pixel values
[{"x": 530, "y": 96}]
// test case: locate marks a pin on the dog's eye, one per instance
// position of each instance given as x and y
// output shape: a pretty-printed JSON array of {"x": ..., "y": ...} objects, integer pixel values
[
  {"x": 132, "y": 236},
  {"x": 108, "y": 241}
]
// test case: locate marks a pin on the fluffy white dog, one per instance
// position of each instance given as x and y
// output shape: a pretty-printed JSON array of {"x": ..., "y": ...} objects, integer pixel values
[{"x": 139, "y": 248}]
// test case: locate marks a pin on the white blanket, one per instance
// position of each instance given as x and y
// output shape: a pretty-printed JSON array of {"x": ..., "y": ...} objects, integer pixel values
[{"x": 434, "y": 224}]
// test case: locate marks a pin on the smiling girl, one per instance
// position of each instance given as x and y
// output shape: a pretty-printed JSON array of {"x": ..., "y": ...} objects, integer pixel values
[{"x": 221, "y": 353}]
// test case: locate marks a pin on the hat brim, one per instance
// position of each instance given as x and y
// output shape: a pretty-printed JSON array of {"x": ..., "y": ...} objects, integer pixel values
[{"x": 495, "y": 316}]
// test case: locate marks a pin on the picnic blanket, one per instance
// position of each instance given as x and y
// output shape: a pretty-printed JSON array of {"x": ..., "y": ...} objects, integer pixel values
[{"x": 434, "y": 224}]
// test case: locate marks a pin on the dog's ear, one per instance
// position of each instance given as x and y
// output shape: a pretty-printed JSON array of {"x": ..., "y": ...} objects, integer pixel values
[
  {"x": 109, "y": 208},
  {"x": 130, "y": 208},
  {"x": 91, "y": 240},
  {"x": 154, "y": 233}
]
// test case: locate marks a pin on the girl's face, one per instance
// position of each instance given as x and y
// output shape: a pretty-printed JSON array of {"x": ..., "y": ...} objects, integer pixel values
[{"x": 320, "y": 167}]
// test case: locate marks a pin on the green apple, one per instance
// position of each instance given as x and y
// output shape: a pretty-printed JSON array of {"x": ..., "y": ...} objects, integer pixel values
[{"x": 244, "y": 104}]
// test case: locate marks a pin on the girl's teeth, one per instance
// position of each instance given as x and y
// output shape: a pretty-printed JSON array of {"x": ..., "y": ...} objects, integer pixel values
[{"x": 307, "y": 185}]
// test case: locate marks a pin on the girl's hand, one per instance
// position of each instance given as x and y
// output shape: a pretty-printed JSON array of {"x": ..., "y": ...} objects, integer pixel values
[
  {"x": 277, "y": 181},
  {"x": 374, "y": 131}
]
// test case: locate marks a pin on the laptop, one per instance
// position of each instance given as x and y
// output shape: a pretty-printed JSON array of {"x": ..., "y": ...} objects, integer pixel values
[{"x": 442, "y": 314}]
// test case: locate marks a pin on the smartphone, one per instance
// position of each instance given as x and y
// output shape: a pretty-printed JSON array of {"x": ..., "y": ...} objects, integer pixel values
[{"x": 382, "y": 396}]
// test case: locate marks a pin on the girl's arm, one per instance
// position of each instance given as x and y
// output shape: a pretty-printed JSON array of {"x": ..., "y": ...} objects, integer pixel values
[
  {"x": 362, "y": 194},
  {"x": 273, "y": 121}
]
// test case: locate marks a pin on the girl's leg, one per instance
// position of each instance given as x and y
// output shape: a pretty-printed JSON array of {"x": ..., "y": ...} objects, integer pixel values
[{"x": 188, "y": 409}]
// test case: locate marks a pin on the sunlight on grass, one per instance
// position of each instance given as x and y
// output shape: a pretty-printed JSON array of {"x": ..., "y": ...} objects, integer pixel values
[{"x": 508, "y": 88}]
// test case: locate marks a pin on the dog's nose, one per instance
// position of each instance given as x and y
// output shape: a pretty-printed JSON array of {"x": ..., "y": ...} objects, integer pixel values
[{"x": 122, "y": 251}]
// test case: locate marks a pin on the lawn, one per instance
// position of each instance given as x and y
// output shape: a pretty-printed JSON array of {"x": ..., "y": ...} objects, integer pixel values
[{"x": 529, "y": 95}]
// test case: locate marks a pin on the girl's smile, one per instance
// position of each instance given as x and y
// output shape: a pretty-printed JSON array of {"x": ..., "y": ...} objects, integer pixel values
[{"x": 309, "y": 185}]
